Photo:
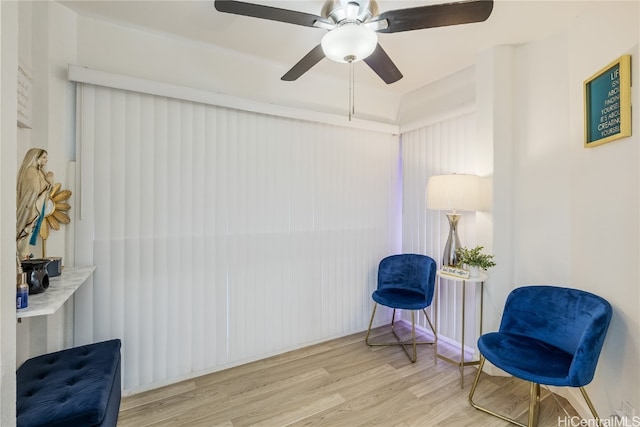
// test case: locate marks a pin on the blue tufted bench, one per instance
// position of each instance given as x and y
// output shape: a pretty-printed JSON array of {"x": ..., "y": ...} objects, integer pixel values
[{"x": 78, "y": 387}]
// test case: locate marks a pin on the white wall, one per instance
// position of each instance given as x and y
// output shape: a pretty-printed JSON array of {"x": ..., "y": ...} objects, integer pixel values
[
  {"x": 8, "y": 118},
  {"x": 576, "y": 211},
  {"x": 542, "y": 159},
  {"x": 495, "y": 109},
  {"x": 450, "y": 96},
  {"x": 605, "y": 204},
  {"x": 559, "y": 213}
]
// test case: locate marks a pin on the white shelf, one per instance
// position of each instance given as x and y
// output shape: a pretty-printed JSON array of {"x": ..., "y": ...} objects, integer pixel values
[{"x": 59, "y": 291}]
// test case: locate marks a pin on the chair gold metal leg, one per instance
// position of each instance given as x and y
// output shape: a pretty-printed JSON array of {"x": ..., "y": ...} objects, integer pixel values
[
  {"x": 413, "y": 338},
  {"x": 399, "y": 341},
  {"x": 413, "y": 335},
  {"x": 534, "y": 404},
  {"x": 435, "y": 336},
  {"x": 475, "y": 381},
  {"x": 481, "y": 408},
  {"x": 590, "y": 405},
  {"x": 366, "y": 339}
]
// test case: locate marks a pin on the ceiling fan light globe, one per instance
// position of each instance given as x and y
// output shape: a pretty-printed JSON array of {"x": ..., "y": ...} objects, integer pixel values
[{"x": 349, "y": 43}]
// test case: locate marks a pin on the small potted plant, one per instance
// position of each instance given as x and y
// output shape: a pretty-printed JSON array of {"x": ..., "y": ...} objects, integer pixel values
[{"x": 474, "y": 260}]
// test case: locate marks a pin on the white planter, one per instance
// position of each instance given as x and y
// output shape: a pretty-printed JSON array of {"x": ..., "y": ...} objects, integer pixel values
[{"x": 473, "y": 271}]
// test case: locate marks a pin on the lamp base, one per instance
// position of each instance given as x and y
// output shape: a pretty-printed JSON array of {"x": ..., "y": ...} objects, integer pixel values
[{"x": 449, "y": 257}]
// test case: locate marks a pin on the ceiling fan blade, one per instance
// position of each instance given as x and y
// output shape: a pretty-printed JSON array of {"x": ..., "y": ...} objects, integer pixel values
[
  {"x": 305, "y": 64},
  {"x": 437, "y": 15},
  {"x": 380, "y": 62},
  {"x": 268, "y": 12}
]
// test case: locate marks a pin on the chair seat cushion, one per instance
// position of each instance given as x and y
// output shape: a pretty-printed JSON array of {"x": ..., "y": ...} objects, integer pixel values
[
  {"x": 79, "y": 386},
  {"x": 400, "y": 298},
  {"x": 527, "y": 358}
]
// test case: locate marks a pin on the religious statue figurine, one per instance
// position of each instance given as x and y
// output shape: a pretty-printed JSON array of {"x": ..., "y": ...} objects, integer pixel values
[{"x": 33, "y": 187}]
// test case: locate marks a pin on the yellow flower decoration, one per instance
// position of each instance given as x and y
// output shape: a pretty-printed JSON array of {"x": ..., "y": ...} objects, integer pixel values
[{"x": 56, "y": 210}]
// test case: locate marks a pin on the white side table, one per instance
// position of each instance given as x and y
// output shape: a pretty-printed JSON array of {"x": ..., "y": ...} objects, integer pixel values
[{"x": 474, "y": 280}]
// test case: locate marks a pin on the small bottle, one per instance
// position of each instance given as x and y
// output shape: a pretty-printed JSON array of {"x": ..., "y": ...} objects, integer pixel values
[{"x": 22, "y": 298}]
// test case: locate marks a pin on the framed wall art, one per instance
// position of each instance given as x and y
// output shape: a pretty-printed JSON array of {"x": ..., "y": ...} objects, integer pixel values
[{"x": 607, "y": 103}]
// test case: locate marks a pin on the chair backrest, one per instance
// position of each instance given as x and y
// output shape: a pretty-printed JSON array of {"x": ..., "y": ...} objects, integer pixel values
[
  {"x": 573, "y": 320},
  {"x": 410, "y": 272}
]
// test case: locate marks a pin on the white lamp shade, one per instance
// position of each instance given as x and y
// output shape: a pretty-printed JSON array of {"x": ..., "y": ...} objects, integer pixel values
[
  {"x": 455, "y": 192},
  {"x": 349, "y": 41}
]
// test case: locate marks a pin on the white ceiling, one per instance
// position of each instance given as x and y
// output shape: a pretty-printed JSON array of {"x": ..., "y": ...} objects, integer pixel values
[{"x": 423, "y": 56}]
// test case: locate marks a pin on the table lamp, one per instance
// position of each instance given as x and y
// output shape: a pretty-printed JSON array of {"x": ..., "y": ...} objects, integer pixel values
[{"x": 454, "y": 192}]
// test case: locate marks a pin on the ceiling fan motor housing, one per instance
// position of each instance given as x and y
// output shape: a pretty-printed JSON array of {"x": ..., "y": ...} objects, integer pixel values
[{"x": 339, "y": 10}]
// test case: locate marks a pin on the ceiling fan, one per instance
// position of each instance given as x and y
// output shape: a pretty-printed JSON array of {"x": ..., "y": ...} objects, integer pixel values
[{"x": 352, "y": 26}]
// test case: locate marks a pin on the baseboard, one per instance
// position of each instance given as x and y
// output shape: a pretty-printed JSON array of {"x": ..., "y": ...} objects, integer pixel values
[{"x": 441, "y": 338}]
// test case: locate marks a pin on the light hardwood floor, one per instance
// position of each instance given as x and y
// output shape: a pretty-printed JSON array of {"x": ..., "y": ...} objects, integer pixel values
[{"x": 342, "y": 382}]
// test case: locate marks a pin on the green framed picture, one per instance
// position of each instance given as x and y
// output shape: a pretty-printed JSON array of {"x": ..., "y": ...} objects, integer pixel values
[{"x": 607, "y": 103}]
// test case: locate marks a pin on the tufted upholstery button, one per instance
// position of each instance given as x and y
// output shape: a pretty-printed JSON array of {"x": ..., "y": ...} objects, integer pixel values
[{"x": 74, "y": 387}]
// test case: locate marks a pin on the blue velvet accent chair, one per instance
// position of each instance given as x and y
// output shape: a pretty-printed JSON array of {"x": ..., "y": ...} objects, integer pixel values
[
  {"x": 548, "y": 335},
  {"x": 405, "y": 282}
]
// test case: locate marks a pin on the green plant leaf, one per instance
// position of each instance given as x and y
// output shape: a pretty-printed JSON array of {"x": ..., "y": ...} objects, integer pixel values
[{"x": 474, "y": 258}]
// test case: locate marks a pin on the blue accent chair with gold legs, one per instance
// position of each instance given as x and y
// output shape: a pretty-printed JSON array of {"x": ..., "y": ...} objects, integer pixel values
[
  {"x": 405, "y": 282},
  {"x": 548, "y": 335}
]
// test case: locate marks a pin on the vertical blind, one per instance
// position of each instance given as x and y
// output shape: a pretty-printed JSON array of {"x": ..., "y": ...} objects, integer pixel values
[
  {"x": 443, "y": 147},
  {"x": 221, "y": 236}
]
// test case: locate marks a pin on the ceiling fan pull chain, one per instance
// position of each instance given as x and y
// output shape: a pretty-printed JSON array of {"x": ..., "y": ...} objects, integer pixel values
[
  {"x": 350, "y": 90},
  {"x": 352, "y": 109},
  {"x": 353, "y": 90}
]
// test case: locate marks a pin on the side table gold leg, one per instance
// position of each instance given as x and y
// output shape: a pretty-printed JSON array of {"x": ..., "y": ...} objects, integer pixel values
[
  {"x": 436, "y": 302},
  {"x": 460, "y": 361},
  {"x": 464, "y": 299}
]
